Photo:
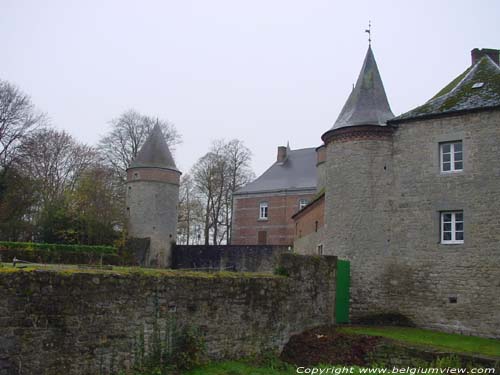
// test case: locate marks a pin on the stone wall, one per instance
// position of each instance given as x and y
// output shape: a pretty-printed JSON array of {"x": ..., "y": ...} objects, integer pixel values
[
  {"x": 357, "y": 214},
  {"x": 88, "y": 323},
  {"x": 228, "y": 257},
  {"x": 447, "y": 287},
  {"x": 308, "y": 245}
]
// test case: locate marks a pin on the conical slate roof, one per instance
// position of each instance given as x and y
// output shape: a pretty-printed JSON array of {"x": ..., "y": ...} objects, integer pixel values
[
  {"x": 154, "y": 152},
  {"x": 476, "y": 88},
  {"x": 367, "y": 104}
]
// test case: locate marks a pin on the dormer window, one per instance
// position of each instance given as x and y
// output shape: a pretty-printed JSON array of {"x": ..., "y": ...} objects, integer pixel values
[{"x": 302, "y": 203}]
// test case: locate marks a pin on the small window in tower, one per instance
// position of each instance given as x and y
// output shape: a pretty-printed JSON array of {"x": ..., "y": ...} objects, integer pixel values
[
  {"x": 452, "y": 156},
  {"x": 316, "y": 225},
  {"x": 263, "y": 211},
  {"x": 136, "y": 175}
]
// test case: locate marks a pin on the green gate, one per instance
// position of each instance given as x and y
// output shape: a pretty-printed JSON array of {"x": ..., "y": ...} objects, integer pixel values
[{"x": 342, "y": 292}]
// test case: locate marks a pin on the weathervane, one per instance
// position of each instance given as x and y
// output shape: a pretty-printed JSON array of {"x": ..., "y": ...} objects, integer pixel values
[{"x": 369, "y": 31}]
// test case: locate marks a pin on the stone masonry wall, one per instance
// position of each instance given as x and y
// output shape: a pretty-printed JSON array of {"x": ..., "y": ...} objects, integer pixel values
[
  {"x": 357, "y": 212},
  {"x": 425, "y": 276},
  {"x": 241, "y": 258},
  {"x": 152, "y": 213},
  {"x": 88, "y": 323}
]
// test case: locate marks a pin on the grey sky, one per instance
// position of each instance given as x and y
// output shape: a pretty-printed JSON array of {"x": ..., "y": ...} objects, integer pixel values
[{"x": 265, "y": 72}]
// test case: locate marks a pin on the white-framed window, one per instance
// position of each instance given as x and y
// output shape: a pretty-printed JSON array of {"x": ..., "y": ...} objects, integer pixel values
[
  {"x": 320, "y": 249},
  {"x": 452, "y": 227},
  {"x": 452, "y": 156},
  {"x": 263, "y": 211},
  {"x": 302, "y": 203}
]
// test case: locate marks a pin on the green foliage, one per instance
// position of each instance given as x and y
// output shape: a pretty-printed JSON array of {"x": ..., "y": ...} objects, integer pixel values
[
  {"x": 258, "y": 366},
  {"x": 452, "y": 361},
  {"x": 17, "y": 196},
  {"x": 57, "y": 247},
  {"x": 441, "y": 340},
  {"x": 282, "y": 271},
  {"x": 168, "y": 349}
]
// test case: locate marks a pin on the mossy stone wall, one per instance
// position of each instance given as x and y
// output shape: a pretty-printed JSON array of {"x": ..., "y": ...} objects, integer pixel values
[{"x": 88, "y": 323}]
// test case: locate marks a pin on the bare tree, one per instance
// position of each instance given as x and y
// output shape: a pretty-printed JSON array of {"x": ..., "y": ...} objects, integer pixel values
[
  {"x": 128, "y": 133},
  {"x": 54, "y": 160},
  {"x": 224, "y": 169},
  {"x": 238, "y": 158},
  {"x": 18, "y": 118},
  {"x": 190, "y": 211}
]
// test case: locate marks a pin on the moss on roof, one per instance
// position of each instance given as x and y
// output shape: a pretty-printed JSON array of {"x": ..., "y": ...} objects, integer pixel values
[{"x": 460, "y": 95}]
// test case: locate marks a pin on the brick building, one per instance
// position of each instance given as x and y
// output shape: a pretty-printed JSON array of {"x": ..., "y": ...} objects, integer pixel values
[{"x": 263, "y": 209}]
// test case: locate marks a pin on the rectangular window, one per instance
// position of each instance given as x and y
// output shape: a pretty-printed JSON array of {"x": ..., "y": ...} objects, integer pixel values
[
  {"x": 263, "y": 211},
  {"x": 452, "y": 227},
  {"x": 302, "y": 203},
  {"x": 452, "y": 156},
  {"x": 320, "y": 249}
]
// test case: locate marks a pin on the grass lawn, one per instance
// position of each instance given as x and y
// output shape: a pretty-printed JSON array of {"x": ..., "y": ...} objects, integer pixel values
[
  {"x": 440, "y": 340},
  {"x": 246, "y": 368}
]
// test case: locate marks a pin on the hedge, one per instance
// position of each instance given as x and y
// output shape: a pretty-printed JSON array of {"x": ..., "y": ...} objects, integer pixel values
[{"x": 57, "y": 247}]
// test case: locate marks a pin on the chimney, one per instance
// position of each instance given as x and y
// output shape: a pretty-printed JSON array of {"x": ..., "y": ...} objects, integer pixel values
[
  {"x": 281, "y": 154},
  {"x": 477, "y": 53}
]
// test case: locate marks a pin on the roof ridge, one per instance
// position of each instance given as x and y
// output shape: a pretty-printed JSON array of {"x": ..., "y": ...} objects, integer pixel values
[
  {"x": 472, "y": 70},
  {"x": 463, "y": 93}
]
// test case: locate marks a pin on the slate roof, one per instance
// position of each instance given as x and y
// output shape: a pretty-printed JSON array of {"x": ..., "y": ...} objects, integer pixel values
[
  {"x": 297, "y": 172},
  {"x": 367, "y": 104},
  {"x": 154, "y": 152},
  {"x": 461, "y": 95}
]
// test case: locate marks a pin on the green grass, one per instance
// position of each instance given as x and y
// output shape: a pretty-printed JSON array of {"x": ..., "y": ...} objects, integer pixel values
[
  {"x": 248, "y": 368},
  {"x": 440, "y": 340}
]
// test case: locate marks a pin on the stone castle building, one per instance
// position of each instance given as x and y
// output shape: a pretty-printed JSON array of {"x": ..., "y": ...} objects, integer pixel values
[
  {"x": 414, "y": 201},
  {"x": 152, "y": 197}
]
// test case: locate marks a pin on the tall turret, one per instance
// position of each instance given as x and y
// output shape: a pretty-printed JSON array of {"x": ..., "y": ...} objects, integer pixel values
[
  {"x": 358, "y": 179},
  {"x": 152, "y": 198}
]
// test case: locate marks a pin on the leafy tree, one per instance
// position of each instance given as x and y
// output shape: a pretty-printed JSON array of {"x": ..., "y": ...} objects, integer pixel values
[
  {"x": 97, "y": 205},
  {"x": 17, "y": 198}
]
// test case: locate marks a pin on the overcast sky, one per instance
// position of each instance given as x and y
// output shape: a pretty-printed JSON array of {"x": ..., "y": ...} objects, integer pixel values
[{"x": 266, "y": 72}]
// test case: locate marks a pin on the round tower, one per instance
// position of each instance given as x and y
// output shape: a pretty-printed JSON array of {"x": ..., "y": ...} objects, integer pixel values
[
  {"x": 152, "y": 198},
  {"x": 358, "y": 186}
]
